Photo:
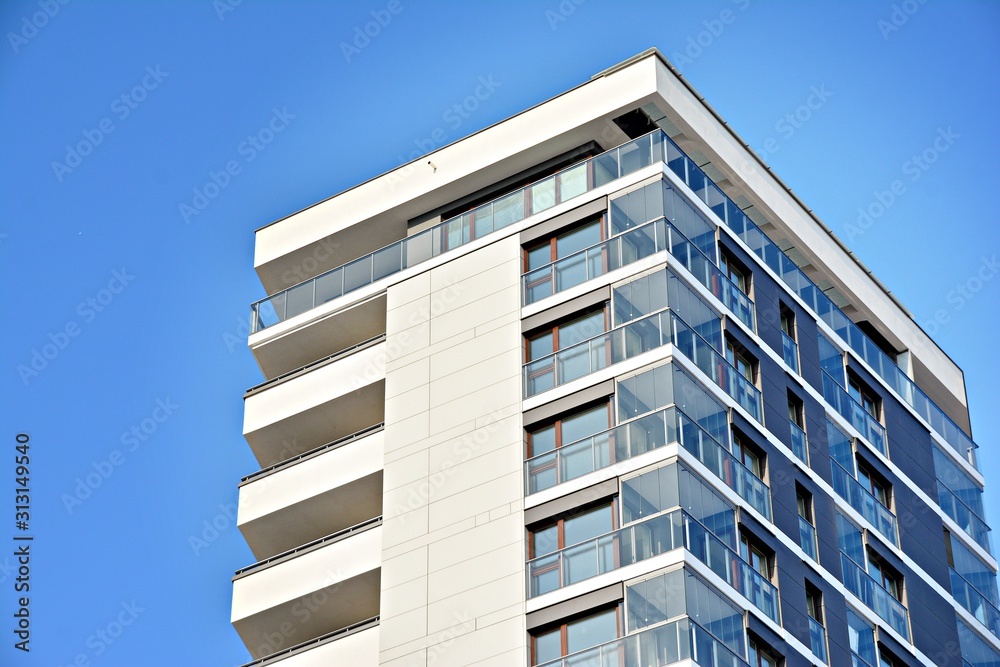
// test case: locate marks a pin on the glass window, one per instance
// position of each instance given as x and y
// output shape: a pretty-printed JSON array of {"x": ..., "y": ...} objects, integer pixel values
[
  {"x": 787, "y": 321},
  {"x": 863, "y": 396},
  {"x": 565, "y": 334},
  {"x": 755, "y": 555},
  {"x": 735, "y": 271},
  {"x": 874, "y": 484},
  {"x": 572, "y": 529},
  {"x": 575, "y": 635},
  {"x": 803, "y": 503},
  {"x": 568, "y": 242},
  {"x": 739, "y": 358},
  {"x": 760, "y": 654},
  {"x": 795, "y": 411},
  {"x": 814, "y": 604},
  {"x": 885, "y": 576},
  {"x": 748, "y": 455},
  {"x": 569, "y": 429}
]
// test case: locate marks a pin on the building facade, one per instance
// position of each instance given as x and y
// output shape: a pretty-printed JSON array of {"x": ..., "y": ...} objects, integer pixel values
[{"x": 592, "y": 386}]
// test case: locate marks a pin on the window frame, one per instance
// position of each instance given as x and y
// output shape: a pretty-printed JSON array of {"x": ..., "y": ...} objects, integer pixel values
[
  {"x": 744, "y": 448},
  {"x": 873, "y": 482},
  {"x": 736, "y": 271},
  {"x": 553, "y": 329},
  {"x": 553, "y": 239},
  {"x": 563, "y": 628},
  {"x": 735, "y": 351},
  {"x": 859, "y": 390},
  {"x": 557, "y": 423},
  {"x": 560, "y": 522}
]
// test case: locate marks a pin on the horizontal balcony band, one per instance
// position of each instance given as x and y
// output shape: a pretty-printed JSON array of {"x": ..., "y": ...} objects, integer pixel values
[
  {"x": 352, "y": 629},
  {"x": 501, "y": 212},
  {"x": 637, "y": 436},
  {"x": 644, "y": 539},
  {"x": 339, "y": 442},
  {"x": 312, "y": 365},
  {"x": 627, "y": 248},
  {"x": 681, "y": 640},
  {"x": 875, "y": 596},
  {"x": 311, "y": 546}
]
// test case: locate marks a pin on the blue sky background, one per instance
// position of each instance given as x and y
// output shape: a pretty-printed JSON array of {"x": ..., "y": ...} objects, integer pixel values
[{"x": 176, "y": 332}]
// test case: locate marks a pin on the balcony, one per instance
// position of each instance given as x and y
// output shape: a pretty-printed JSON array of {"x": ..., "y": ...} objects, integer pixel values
[
  {"x": 638, "y": 436},
  {"x": 330, "y": 399},
  {"x": 645, "y": 539},
  {"x": 866, "y": 504},
  {"x": 875, "y": 597},
  {"x": 807, "y": 537},
  {"x": 975, "y": 602},
  {"x": 800, "y": 444},
  {"x": 354, "y": 645},
  {"x": 626, "y": 248},
  {"x": 633, "y": 339},
  {"x": 295, "y": 347},
  {"x": 329, "y": 584},
  {"x": 845, "y": 405},
  {"x": 817, "y": 640},
  {"x": 318, "y": 493},
  {"x": 729, "y": 213},
  {"x": 790, "y": 352},
  {"x": 459, "y": 230},
  {"x": 682, "y": 640},
  {"x": 966, "y": 518}
]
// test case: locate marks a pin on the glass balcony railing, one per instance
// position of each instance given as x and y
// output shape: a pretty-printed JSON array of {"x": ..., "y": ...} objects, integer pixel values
[
  {"x": 817, "y": 640},
  {"x": 800, "y": 445},
  {"x": 646, "y": 539},
  {"x": 862, "y": 500},
  {"x": 975, "y": 602},
  {"x": 807, "y": 537},
  {"x": 851, "y": 410},
  {"x": 717, "y": 367},
  {"x": 964, "y": 516},
  {"x": 668, "y": 644},
  {"x": 459, "y": 230},
  {"x": 629, "y": 247},
  {"x": 816, "y": 299},
  {"x": 633, "y": 339},
  {"x": 790, "y": 352},
  {"x": 638, "y": 436},
  {"x": 874, "y": 596}
]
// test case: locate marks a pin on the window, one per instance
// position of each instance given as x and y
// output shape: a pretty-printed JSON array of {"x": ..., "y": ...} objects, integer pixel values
[
  {"x": 795, "y": 411},
  {"x": 807, "y": 529},
  {"x": 569, "y": 428},
  {"x": 748, "y": 454},
  {"x": 744, "y": 363},
  {"x": 753, "y": 553},
  {"x": 863, "y": 395},
  {"x": 787, "y": 321},
  {"x": 874, "y": 483},
  {"x": 886, "y": 577},
  {"x": 572, "y": 529},
  {"x": 817, "y": 631},
  {"x": 575, "y": 635},
  {"x": 735, "y": 271},
  {"x": 566, "y": 243},
  {"x": 760, "y": 654},
  {"x": 564, "y": 334}
]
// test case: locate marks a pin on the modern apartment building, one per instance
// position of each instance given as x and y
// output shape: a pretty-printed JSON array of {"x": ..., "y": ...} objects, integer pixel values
[{"x": 592, "y": 386}]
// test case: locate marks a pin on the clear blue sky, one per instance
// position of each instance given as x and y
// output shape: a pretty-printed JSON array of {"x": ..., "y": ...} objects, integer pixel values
[{"x": 169, "y": 328}]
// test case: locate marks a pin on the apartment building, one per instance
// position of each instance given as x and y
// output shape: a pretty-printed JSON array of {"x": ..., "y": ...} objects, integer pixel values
[{"x": 592, "y": 386}]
